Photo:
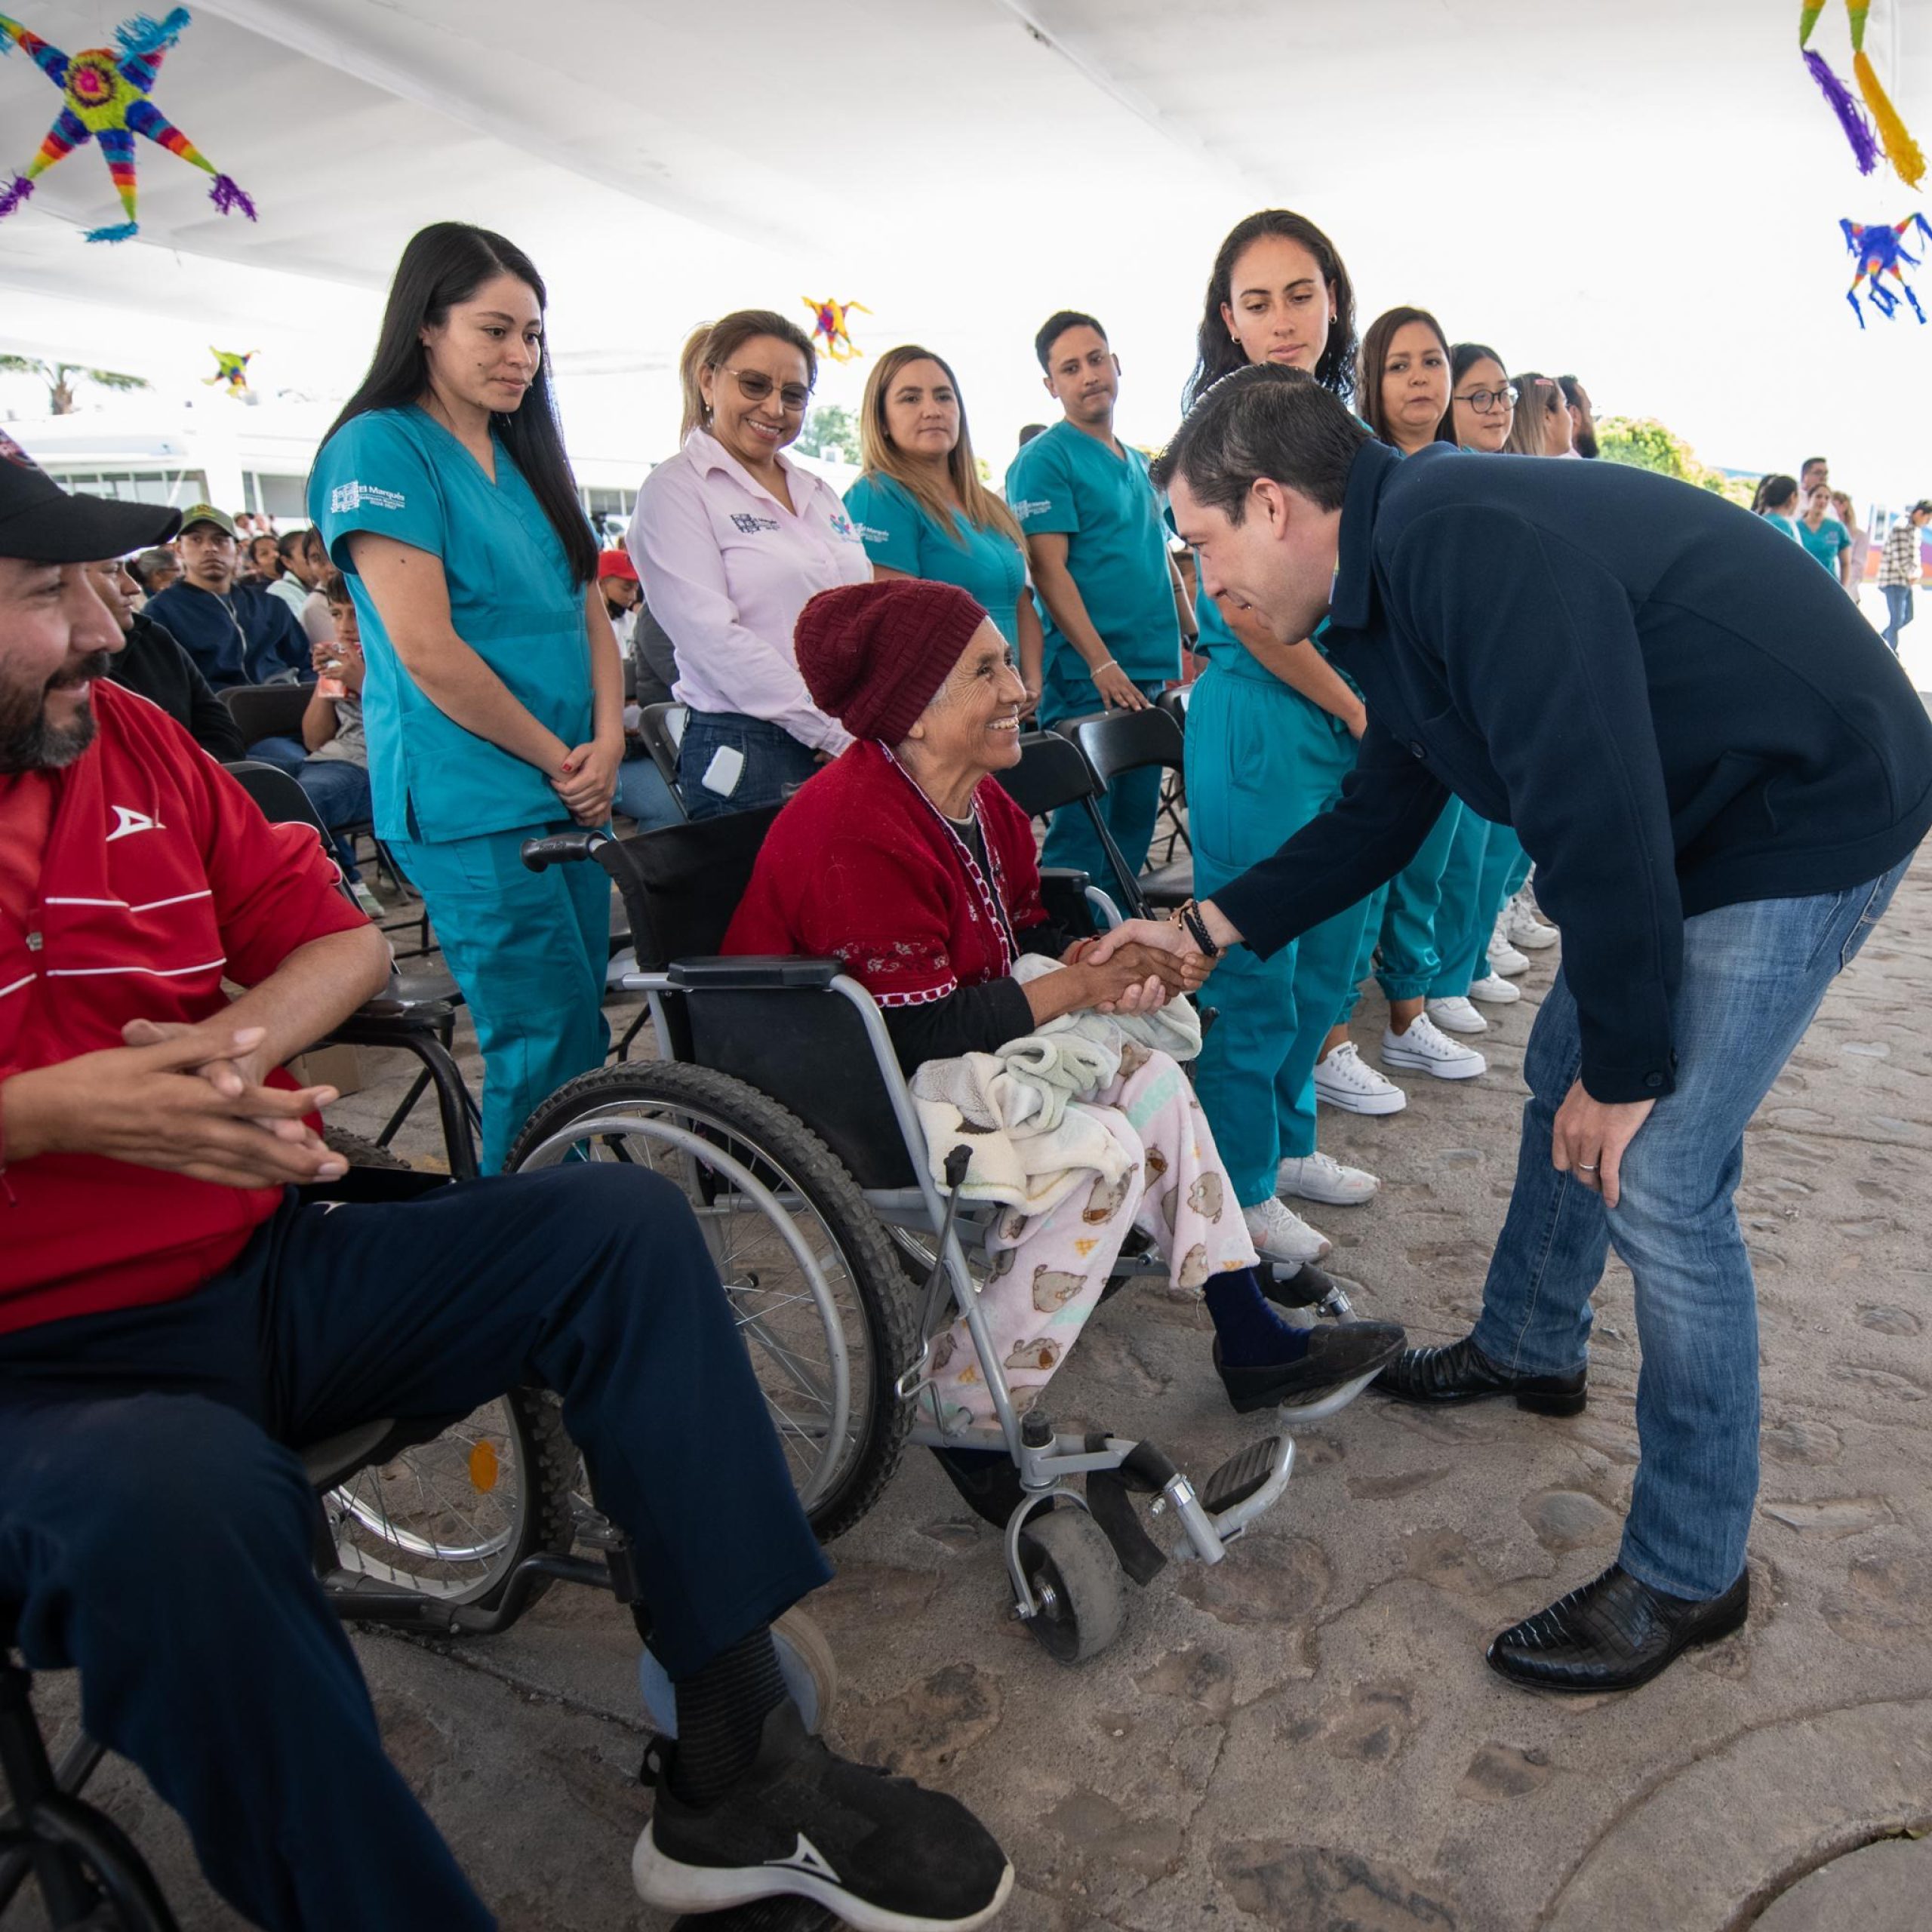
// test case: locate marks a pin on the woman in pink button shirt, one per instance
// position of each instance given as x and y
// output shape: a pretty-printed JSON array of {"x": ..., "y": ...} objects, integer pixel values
[{"x": 731, "y": 540}]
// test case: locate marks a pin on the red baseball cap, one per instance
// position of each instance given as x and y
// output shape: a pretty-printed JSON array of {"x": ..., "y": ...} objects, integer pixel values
[{"x": 616, "y": 563}]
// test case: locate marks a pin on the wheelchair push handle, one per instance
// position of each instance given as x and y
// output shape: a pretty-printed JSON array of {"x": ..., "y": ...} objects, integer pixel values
[{"x": 539, "y": 854}]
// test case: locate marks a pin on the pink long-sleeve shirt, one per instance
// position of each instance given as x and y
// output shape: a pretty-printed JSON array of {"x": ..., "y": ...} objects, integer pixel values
[{"x": 727, "y": 568}]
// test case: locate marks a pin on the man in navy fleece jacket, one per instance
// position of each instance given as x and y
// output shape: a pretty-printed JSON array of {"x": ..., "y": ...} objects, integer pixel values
[{"x": 1721, "y": 774}]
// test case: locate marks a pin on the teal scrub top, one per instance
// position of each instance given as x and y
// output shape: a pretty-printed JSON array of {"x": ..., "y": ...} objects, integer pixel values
[
  {"x": 900, "y": 532},
  {"x": 1067, "y": 482},
  {"x": 399, "y": 473},
  {"x": 1826, "y": 542},
  {"x": 1788, "y": 524}
]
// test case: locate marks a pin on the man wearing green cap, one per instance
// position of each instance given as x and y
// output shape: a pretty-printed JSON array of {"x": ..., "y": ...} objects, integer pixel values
[{"x": 237, "y": 633}]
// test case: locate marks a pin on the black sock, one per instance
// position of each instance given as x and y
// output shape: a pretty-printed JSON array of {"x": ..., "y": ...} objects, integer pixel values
[
  {"x": 722, "y": 1710},
  {"x": 1252, "y": 1335}
]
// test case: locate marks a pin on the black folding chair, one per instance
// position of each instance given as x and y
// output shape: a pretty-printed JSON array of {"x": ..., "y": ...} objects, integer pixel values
[
  {"x": 662, "y": 728},
  {"x": 1115, "y": 743},
  {"x": 1052, "y": 776},
  {"x": 415, "y": 1012},
  {"x": 1174, "y": 791}
]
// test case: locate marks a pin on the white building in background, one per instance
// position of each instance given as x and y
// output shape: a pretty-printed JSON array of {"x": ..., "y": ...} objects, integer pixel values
[{"x": 237, "y": 457}]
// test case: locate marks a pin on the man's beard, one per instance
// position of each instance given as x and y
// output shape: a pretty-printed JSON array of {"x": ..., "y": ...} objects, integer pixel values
[
  {"x": 1586, "y": 442},
  {"x": 28, "y": 742}
]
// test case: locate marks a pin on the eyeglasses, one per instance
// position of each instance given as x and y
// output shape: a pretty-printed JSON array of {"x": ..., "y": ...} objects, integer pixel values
[
  {"x": 754, "y": 386},
  {"x": 1483, "y": 401}
]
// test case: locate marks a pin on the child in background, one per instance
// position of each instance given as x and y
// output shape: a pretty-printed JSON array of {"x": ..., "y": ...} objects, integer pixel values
[{"x": 336, "y": 774}]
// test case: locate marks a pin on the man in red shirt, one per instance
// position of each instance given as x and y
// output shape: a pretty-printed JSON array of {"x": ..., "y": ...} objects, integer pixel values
[{"x": 174, "y": 1313}]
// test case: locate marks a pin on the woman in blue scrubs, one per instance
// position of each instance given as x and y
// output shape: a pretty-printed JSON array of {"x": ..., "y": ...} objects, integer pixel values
[
  {"x": 493, "y": 700},
  {"x": 1403, "y": 389},
  {"x": 1486, "y": 862},
  {"x": 921, "y": 508},
  {"x": 1271, "y": 734}
]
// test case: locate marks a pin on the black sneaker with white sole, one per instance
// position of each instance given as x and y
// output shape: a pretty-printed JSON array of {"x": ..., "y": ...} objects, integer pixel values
[{"x": 884, "y": 1854}]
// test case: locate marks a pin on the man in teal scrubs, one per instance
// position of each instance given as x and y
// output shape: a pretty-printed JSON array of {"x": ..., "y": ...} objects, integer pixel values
[
  {"x": 1101, "y": 567},
  {"x": 529, "y": 949}
]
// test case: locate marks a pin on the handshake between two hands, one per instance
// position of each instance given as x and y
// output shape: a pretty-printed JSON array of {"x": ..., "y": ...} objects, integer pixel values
[{"x": 1138, "y": 966}]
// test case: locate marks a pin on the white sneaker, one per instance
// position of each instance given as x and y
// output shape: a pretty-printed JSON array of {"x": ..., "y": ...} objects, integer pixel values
[
  {"x": 1453, "y": 1016},
  {"x": 1525, "y": 929},
  {"x": 1344, "y": 1079},
  {"x": 1493, "y": 990},
  {"x": 1432, "y": 1052},
  {"x": 1320, "y": 1176},
  {"x": 1503, "y": 958},
  {"x": 361, "y": 893},
  {"x": 1280, "y": 1235}
]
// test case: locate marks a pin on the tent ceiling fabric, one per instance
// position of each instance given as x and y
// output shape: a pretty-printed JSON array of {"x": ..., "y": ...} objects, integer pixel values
[{"x": 1652, "y": 171}]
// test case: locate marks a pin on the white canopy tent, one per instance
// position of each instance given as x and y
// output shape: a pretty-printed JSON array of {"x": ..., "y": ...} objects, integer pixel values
[{"x": 1647, "y": 193}]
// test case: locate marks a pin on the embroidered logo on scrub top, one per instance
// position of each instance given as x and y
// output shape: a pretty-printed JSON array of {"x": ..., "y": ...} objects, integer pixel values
[
  {"x": 751, "y": 525},
  {"x": 1034, "y": 506},
  {"x": 353, "y": 496},
  {"x": 843, "y": 526}
]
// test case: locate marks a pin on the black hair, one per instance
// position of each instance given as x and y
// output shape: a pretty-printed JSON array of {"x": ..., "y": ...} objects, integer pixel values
[
  {"x": 1773, "y": 489},
  {"x": 1463, "y": 356},
  {"x": 1028, "y": 431},
  {"x": 443, "y": 265},
  {"x": 1056, "y": 325},
  {"x": 1264, "y": 421},
  {"x": 1810, "y": 460},
  {"x": 1216, "y": 354},
  {"x": 292, "y": 542},
  {"x": 335, "y": 589}
]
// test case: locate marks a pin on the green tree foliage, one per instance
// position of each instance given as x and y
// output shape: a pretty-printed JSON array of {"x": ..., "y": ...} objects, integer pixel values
[
  {"x": 831, "y": 433},
  {"x": 1645, "y": 443},
  {"x": 58, "y": 377}
]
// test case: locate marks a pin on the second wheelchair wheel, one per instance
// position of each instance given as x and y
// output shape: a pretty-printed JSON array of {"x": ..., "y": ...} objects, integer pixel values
[
  {"x": 826, "y": 1315},
  {"x": 452, "y": 1517}
]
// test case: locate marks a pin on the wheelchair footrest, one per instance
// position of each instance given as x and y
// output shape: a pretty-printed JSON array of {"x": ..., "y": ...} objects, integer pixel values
[{"x": 1240, "y": 1475}]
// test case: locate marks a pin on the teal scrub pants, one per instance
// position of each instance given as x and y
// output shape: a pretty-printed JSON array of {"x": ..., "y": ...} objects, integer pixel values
[
  {"x": 529, "y": 951},
  {"x": 1400, "y": 929},
  {"x": 1129, "y": 807},
  {"x": 1262, "y": 761},
  {"x": 1487, "y": 864}
]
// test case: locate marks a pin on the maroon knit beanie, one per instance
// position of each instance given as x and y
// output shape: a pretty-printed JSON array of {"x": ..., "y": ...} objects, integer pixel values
[{"x": 872, "y": 654}]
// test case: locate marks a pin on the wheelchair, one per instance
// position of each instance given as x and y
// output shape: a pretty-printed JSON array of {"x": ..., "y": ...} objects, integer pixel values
[{"x": 778, "y": 1106}]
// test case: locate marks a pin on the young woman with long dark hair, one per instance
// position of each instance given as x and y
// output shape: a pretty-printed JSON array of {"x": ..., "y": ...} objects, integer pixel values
[
  {"x": 494, "y": 698},
  {"x": 1271, "y": 735},
  {"x": 1402, "y": 388}
]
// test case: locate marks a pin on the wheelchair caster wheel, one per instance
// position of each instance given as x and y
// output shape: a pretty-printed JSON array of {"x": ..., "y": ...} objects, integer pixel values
[{"x": 1075, "y": 1578}]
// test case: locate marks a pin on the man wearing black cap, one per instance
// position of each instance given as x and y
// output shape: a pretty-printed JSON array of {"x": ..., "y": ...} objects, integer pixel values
[{"x": 174, "y": 1314}]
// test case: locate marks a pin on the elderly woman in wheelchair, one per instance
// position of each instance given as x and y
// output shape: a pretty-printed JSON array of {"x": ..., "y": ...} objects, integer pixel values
[
  {"x": 800, "y": 961},
  {"x": 906, "y": 862}
]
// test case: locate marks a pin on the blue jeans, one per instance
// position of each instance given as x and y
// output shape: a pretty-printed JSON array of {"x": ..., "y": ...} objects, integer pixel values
[
  {"x": 154, "y": 1527},
  {"x": 1754, "y": 975},
  {"x": 285, "y": 754},
  {"x": 775, "y": 764},
  {"x": 338, "y": 788},
  {"x": 1898, "y": 611},
  {"x": 642, "y": 795}
]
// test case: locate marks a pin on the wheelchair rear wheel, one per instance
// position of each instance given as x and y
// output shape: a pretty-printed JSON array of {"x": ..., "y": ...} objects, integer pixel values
[
  {"x": 451, "y": 1518},
  {"x": 825, "y": 1314}
]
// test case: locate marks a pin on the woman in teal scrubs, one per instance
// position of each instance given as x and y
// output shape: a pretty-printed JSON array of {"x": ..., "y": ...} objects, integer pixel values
[
  {"x": 1487, "y": 863},
  {"x": 1403, "y": 389},
  {"x": 1271, "y": 735},
  {"x": 921, "y": 508},
  {"x": 493, "y": 702}
]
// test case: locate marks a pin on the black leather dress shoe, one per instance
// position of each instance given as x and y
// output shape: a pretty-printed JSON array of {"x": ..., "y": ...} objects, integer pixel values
[
  {"x": 1462, "y": 1373},
  {"x": 1337, "y": 1352},
  {"x": 1614, "y": 1634}
]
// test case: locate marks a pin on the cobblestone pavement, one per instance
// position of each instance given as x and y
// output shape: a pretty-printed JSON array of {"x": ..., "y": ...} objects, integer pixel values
[{"x": 1306, "y": 1736}]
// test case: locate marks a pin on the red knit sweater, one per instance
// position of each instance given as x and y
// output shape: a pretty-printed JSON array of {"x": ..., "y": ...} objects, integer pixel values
[{"x": 861, "y": 867}]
